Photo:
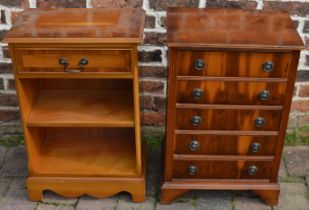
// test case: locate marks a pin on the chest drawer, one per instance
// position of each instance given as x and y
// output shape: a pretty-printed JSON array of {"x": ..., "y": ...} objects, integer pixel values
[
  {"x": 223, "y": 169},
  {"x": 225, "y": 145},
  {"x": 232, "y": 64},
  {"x": 73, "y": 60},
  {"x": 227, "y": 119},
  {"x": 227, "y": 92}
]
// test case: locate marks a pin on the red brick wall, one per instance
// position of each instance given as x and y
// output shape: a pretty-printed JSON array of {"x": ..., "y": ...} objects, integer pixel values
[{"x": 153, "y": 52}]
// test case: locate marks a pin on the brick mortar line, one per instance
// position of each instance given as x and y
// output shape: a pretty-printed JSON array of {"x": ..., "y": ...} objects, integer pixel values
[
  {"x": 154, "y": 64},
  {"x": 157, "y": 30},
  {"x": 202, "y": 3},
  {"x": 260, "y": 4},
  {"x": 298, "y": 98},
  {"x": 7, "y": 76},
  {"x": 302, "y": 83},
  {"x": 9, "y": 108},
  {"x": 32, "y": 3},
  {"x": 8, "y": 92},
  {"x": 89, "y": 4},
  {"x": 153, "y": 94},
  {"x": 306, "y": 1},
  {"x": 298, "y": 113},
  {"x": 5, "y": 60}
]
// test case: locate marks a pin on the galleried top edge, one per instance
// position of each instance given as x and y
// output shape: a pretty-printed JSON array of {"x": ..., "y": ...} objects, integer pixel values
[
  {"x": 231, "y": 28},
  {"x": 80, "y": 25}
]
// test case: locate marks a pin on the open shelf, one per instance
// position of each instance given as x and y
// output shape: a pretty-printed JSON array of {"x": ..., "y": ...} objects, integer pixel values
[
  {"x": 82, "y": 108},
  {"x": 108, "y": 152}
]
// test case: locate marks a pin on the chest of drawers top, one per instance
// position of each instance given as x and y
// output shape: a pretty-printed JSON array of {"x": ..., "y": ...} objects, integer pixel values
[
  {"x": 95, "y": 25},
  {"x": 231, "y": 28}
]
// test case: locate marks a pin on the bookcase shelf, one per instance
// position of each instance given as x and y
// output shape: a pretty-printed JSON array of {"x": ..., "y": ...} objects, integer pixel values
[
  {"x": 97, "y": 151},
  {"x": 82, "y": 108}
]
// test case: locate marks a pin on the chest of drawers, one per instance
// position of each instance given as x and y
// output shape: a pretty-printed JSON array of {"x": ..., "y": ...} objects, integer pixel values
[
  {"x": 230, "y": 85},
  {"x": 77, "y": 80}
]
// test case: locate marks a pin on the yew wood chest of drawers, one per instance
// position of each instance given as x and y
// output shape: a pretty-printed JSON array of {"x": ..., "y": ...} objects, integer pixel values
[{"x": 230, "y": 84}]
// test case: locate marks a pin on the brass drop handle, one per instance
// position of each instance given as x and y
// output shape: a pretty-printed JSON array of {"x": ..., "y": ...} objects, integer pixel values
[
  {"x": 255, "y": 147},
  {"x": 268, "y": 66},
  {"x": 192, "y": 170},
  {"x": 82, "y": 63},
  {"x": 196, "y": 120},
  {"x": 197, "y": 93},
  {"x": 264, "y": 95},
  {"x": 259, "y": 122},
  {"x": 252, "y": 170},
  {"x": 199, "y": 65},
  {"x": 194, "y": 145}
]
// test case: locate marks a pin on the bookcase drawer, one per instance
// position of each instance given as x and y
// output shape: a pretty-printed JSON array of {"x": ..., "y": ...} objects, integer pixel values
[{"x": 73, "y": 60}]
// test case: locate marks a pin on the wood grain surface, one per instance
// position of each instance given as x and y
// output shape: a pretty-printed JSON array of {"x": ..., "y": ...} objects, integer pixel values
[
  {"x": 78, "y": 25},
  {"x": 232, "y": 63},
  {"x": 245, "y": 93},
  {"x": 231, "y": 28}
]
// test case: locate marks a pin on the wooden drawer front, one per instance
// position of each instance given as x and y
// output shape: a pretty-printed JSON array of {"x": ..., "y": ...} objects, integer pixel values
[
  {"x": 222, "y": 169},
  {"x": 225, "y": 145},
  {"x": 227, "y": 119},
  {"x": 232, "y": 64},
  {"x": 246, "y": 93},
  {"x": 29, "y": 60}
]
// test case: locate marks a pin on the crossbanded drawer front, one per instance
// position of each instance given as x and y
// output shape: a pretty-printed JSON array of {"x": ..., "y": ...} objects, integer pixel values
[
  {"x": 212, "y": 169},
  {"x": 227, "y": 92},
  {"x": 225, "y": 145},
  {"x": 232, "y": 64},
  {"x": 228, "y": 119},
  {"x": 53, "y": 60}
]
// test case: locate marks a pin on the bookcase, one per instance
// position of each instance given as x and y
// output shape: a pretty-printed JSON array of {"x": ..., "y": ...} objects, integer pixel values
[{"x": 76, "y": 75}]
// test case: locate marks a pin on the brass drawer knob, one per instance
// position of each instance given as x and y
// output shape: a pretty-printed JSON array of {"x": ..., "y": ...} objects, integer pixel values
[
  {"x": 192, "y": 170},
  {"x": 199, "y": 65},
  {"x": 255, "y": 147},
  {"x": 259, "y": 122},
  {"x": 268, "y": 66},
  {"x": 194, "y": 145},
  {"x": 252, "y": 170},
  {"x": 197, "y": 93},
  {"x": 83, "y": 62},
  {"x": 64, "y": 62},
  {"x": 196, "y": 120},
  {"x": 264, "y": 95}
]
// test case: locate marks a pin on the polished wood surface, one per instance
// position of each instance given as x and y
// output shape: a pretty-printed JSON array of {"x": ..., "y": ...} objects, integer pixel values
[
  {"x": 223, "y": 169},
  {"x": 42, "y": 60},
  {"x": 216, "y": 145},
  {"x": 231, "y": 28},
  {"x": 232, "y": 63},
  {"x": 78, "y": 107},
  {"x": 217, "y": 72},
  {"x": 216, "y": 92},
  {"x": 81, "y": 123},
  {"x": 216, "y": 119},
  {"x": 76, "y": 25}
]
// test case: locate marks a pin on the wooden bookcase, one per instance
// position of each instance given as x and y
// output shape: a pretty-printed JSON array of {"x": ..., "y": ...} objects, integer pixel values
[{"x": 77, "y": 81}]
